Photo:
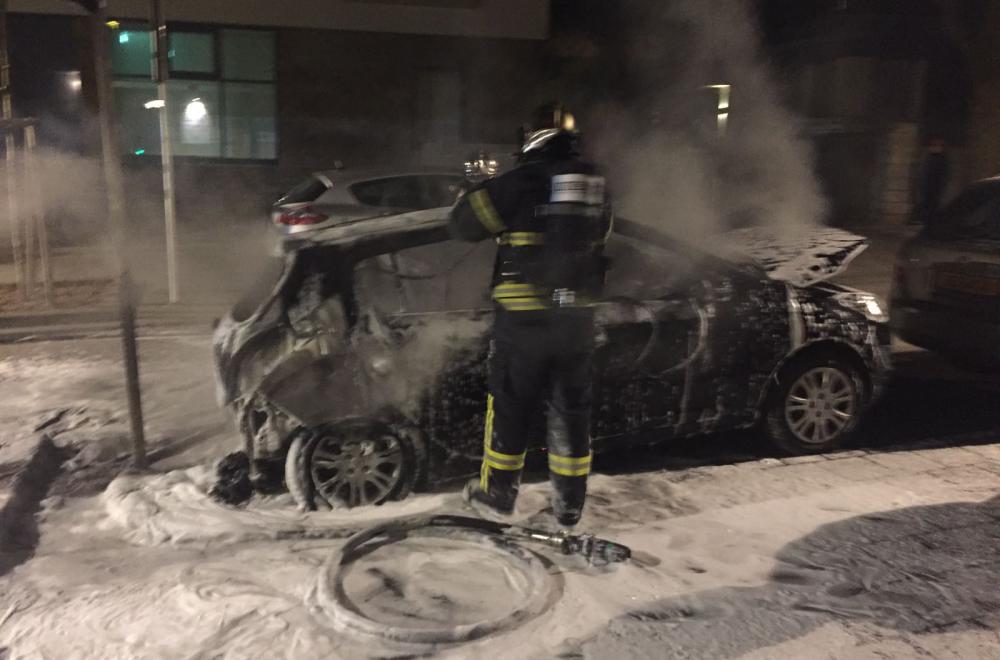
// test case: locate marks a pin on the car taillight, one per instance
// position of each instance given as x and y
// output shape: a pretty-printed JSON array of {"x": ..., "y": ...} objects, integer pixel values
[{"x": 299, "y": 217}]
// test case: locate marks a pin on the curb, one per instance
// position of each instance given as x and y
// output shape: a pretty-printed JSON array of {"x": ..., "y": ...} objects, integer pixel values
[
  {"x": 101, "y": 331},
  {"x": 18, "y": 527},
  {"x": 81, "y": 324},
  {"x": 164, "y": 314},
  {"x": 58, "y": 317}
]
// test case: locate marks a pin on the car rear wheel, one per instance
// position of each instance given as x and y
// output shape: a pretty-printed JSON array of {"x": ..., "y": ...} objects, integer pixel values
[
  {"x": 348, "y": 464},
  {"x": 815, "y": 406}
]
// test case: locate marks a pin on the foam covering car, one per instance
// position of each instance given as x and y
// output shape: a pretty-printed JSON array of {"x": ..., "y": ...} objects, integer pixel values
[{"x": 358, "y": 373}]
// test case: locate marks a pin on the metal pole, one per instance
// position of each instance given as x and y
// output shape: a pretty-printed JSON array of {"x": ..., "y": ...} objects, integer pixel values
[
  {"x": 116, "y": 211},
  {"x": 38, "y": 217},
  {"x": 161, "y": 72},
  {"x": 7, "y": 112},
  {"x": 28, "y": 222}
]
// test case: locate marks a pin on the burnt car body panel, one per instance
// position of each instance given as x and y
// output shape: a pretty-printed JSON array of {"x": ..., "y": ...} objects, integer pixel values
[{"x": 395, "y": 320}]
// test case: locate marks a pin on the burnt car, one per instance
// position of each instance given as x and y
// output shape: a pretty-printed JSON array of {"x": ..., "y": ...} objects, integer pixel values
[
  {"x": 360, "y": 375},
  {"x": 946, "y": 293}
]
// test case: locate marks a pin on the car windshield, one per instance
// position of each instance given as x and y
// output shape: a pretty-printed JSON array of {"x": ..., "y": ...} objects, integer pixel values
[{"x": 645, "y": 270}]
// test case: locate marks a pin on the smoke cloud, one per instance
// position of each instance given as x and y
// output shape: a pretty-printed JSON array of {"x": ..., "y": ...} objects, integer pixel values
[
  {"x": 666, "y": 155},
  {"x": 224, "y": 237}
]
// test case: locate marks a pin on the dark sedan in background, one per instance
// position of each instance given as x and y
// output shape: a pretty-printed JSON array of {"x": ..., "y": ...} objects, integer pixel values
[{"x": 946, "y": 295}]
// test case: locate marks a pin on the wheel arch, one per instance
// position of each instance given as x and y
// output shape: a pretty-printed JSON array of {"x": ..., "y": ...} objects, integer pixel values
[
  {"x": 387, "y": 420},
  {"x": 832, "y": 348}
]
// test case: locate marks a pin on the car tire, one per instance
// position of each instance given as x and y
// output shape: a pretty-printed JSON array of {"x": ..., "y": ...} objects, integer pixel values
[
  {"x": 815, "y": 405},
  {"x": 352, "y": 463}
]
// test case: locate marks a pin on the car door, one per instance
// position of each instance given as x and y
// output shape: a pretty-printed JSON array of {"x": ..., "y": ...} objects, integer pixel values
[
  {"x": 433, "y": 307},
  {"x": 745, "y": 335},
  {"x": 651, "y": 327}
]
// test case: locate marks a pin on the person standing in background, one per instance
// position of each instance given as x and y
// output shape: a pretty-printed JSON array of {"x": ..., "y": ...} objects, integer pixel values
[{"x": 933, "y": 183}]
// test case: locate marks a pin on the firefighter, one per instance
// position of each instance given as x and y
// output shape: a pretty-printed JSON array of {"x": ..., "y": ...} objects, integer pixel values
[{"x": 550, "y": 218}]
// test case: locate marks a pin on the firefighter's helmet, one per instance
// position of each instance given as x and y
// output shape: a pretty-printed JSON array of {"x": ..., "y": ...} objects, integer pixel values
[{"x": 553, "y": 128}]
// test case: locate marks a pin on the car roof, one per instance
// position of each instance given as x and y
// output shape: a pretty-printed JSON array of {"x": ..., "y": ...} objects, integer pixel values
[
  {"x": 350, "y": 176},
  {"x": 991, "y": 181}
]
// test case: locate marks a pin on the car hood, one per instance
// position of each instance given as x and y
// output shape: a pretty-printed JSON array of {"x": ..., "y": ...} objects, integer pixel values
[{"x": 800, "y": 256}]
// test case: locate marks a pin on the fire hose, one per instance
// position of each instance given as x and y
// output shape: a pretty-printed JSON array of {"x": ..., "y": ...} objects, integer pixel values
[{"x": 501, "y": 539}]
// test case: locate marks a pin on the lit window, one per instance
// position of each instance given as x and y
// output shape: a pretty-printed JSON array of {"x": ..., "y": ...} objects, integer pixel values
[
  {"x": 130, "y": 53},
  {"x": 221, "y": 100},
  {"x": 192, "y": 52}
]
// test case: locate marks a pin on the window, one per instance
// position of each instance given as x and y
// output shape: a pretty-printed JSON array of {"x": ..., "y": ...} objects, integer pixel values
[
  {"x": 221, "y": 94},
  {"x": 307, "y": 191},
  {"x": 417, "y": 192},
  {"x": 402, "y": 192},
  {"x": 249, "y": 122},
  {"x": 130, "y": 53},
  {"x": 139, "y": 129},
  {"x": 191, "y": 52},
  {"x": 646, "y": 270}
]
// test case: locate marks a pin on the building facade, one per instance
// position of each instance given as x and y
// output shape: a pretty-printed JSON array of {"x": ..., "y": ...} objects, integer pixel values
[
  {"x": 878, "y": 80},
  {"x": 260, "y": 95}
]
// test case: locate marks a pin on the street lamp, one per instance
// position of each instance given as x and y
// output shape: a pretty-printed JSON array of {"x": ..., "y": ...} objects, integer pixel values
[{"x": 722, "y": 115}]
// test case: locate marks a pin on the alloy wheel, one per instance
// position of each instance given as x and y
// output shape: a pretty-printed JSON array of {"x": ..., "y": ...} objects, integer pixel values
[
  {"x": 821, "y": 405},
  {"x": 355, "y": 470}
]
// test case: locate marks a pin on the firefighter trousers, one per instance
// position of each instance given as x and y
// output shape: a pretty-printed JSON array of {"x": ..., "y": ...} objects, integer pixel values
[{"x": 540, "y": 364}]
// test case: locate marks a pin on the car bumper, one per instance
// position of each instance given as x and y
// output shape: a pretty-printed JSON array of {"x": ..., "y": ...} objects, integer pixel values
[{"x": 946, "y": 331}]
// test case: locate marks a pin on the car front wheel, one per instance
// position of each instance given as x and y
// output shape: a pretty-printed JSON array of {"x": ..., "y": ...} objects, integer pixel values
[
  {"x": 348, "y": 464},
  {"x": 815, "y": 406}
]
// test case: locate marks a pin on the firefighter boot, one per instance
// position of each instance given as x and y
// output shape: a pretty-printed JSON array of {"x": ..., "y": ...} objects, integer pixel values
[{"x": 486, "y": 507}]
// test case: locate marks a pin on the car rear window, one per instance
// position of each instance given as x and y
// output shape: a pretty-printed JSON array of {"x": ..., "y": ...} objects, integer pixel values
[
  {"x": 400, "y": 192},
  {"x": 307, "y": 191}
]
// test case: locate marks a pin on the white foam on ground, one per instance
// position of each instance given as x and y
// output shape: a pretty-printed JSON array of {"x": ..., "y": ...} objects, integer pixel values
[
  {"x": 175, "y": 508},
  {"x": 206, "y": 581}
]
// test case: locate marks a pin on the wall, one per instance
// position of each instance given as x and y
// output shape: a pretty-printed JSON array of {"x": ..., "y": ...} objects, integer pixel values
[
  {"x": 984, "y": 151},
  {"x": 863, "y": 113},
  {"x": 355, "y": 96}
]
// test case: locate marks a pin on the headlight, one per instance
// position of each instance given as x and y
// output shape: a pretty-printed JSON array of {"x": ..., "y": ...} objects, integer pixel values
[{"x": 865, "y": 303}]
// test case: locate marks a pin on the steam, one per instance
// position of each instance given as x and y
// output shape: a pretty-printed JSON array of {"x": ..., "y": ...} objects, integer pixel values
[
  {"x": 412, "y": 368},
  {"x": 223, "y": 234},
  {"x": 664, "y": 153}
]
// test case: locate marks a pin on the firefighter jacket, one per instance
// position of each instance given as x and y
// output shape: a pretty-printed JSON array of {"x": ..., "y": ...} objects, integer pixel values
[{"x": 551, "y": 218}]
